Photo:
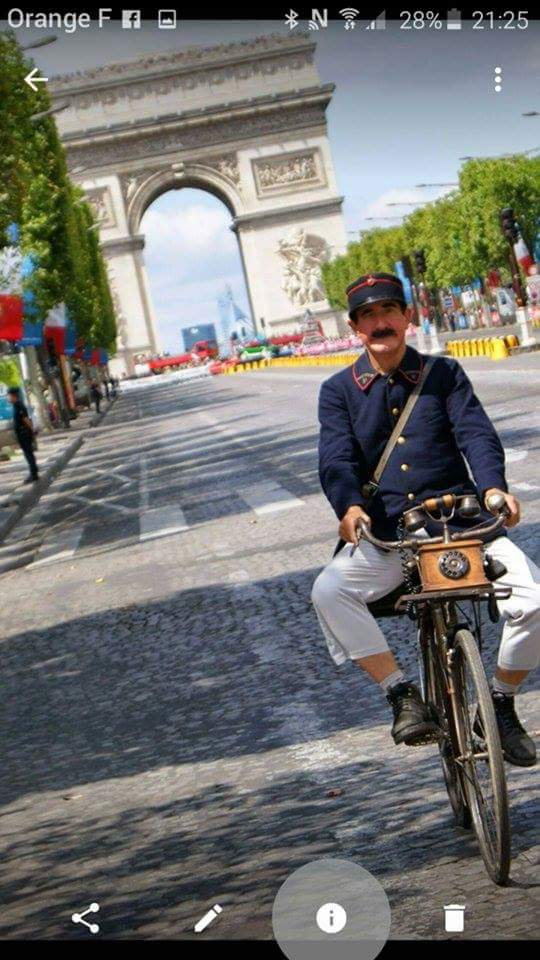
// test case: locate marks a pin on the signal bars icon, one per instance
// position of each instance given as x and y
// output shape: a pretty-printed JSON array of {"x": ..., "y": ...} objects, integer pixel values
[{"x": 349, "y": 14}]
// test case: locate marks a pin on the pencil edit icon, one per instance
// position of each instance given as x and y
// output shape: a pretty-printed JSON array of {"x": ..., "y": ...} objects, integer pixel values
[{"x": 205, "y": 921}]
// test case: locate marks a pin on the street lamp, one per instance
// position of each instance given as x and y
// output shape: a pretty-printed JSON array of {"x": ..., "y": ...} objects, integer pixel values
[
  {"x": 407, "y": 203},
  {"x": 42, "y": 42},
  {"x": 383, "y": 218},
  {"x": 420, "y": 186},
  {"x": 531, "y": 113},
  {"x": 48, "y": 113}
]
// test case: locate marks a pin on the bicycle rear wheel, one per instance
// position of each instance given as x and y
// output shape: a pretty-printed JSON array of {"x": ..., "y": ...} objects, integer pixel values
[
  {"x": 437, "y": 696},
  {"x": 481, "y": 761}
]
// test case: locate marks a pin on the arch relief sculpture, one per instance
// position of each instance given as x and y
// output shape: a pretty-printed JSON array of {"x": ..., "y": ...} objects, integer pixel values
[{"x": 303, "y": 254}]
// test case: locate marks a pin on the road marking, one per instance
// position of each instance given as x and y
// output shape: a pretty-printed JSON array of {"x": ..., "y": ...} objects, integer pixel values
[
  {"x": 162, "y": 522},
  {"x": 267, "y": 496},
  {"x": 102, "y": 504},
  {"x": 157, "y": 521},
  {"x": 61, "y": 547}
]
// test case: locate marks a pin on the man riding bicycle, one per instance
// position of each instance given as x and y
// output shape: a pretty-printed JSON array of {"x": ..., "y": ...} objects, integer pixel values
[{"x": 447, "y": 429}]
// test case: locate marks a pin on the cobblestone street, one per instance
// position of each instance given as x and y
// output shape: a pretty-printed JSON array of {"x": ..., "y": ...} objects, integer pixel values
[{"x": 172, "y": 722}]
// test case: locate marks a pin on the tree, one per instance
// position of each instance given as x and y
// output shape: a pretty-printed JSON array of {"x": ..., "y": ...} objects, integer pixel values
[{"x": 460, "y": 233}]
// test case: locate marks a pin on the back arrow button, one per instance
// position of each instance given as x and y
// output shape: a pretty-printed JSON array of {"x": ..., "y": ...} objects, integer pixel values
[{"x": 31, "y": 79}]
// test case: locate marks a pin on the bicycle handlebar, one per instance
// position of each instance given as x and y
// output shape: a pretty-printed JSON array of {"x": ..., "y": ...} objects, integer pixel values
[{"x": 413, "y": 542}]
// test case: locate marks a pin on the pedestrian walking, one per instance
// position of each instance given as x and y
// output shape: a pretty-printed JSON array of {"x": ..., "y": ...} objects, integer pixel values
[
  {"x": 106, "y": 385},
  {"x": 96, "y": 394},
  {"x": 24, "y": 431}
]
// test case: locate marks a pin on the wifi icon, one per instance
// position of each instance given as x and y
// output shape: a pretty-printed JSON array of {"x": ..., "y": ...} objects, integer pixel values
[{"x": 349, "y": 14}]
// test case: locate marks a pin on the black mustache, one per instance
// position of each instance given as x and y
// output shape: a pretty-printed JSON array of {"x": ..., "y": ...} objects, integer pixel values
[{"x": 383, "y": 333}]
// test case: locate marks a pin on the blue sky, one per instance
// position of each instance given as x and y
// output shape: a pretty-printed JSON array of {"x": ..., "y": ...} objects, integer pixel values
[{"x": 407, "y": 106}]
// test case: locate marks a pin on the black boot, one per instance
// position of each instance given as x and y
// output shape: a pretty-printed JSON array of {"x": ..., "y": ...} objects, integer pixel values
[
  {"x": 517, "y": 746},
  {"x": 413, "y": 719}
]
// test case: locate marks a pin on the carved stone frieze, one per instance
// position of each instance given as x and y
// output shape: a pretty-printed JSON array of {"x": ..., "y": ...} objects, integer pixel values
[
  {"x": 227, "y": 165},
  {"x": 163, "y": 86},
  {"x": 288, "y": 172},
  {"x": 193, "y": 57},
  {"x": 96, "y": 153},
  {"x": 130, "y": 182},
  {"x": 101, "y": 202}
]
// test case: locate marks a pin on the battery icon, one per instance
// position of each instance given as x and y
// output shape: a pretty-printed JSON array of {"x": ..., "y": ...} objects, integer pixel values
[{"x": 453, "y": 19}]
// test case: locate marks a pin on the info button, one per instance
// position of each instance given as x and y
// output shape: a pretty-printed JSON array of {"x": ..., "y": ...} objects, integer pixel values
[{"x": 333, "y": 902}]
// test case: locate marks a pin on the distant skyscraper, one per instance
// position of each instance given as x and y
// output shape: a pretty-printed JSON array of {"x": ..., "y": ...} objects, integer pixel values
[
  {"x": 203, "y": 331},
  {"x": 231, "y": 320}
]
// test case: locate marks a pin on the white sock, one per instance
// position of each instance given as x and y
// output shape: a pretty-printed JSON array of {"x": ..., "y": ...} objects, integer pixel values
[
  {"x": 500, "y": 686},
  {"x": 391, "y": 680}
]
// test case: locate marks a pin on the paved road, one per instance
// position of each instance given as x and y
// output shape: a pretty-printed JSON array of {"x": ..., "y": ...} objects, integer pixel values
[{"x": 172, "y": 723}]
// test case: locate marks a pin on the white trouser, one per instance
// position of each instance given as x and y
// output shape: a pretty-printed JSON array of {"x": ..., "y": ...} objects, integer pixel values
[{"x": 342, "y": 590}]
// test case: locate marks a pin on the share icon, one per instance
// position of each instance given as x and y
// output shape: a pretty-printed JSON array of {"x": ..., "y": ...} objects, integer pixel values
[{"x": 78, "y": 918}]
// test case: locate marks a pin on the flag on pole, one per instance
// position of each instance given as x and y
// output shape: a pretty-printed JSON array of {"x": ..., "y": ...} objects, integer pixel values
[
  {"x": 55, "y": 327},
  {"x": 11, "y": 316}
]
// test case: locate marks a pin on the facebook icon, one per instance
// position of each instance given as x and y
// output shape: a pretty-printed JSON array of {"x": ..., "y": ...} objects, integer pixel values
[{"x": 131, "y": 19}]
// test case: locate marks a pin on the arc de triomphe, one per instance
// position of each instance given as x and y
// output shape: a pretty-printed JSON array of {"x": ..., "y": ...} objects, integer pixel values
[{"x": 244, "y": 121}]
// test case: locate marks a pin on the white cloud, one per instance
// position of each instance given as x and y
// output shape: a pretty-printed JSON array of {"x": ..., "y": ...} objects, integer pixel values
[{"x": 189, "y": 233}]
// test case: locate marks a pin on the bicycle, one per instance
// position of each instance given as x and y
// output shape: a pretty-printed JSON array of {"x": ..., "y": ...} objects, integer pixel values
[{"x": 440, "y": 573}]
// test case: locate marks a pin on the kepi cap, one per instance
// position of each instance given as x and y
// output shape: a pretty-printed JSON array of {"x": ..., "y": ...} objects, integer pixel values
[{"x": 372, "y": 287}]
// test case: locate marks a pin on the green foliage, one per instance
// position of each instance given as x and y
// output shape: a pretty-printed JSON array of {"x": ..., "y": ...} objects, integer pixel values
[
  {"x": 9, "y": 372},
  {"x": 460, "y": 233},
  {"x": 37, "y": 194}
]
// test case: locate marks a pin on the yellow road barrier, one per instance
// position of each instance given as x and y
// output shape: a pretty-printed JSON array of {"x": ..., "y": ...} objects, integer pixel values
[{"x": 499, "y": 351}]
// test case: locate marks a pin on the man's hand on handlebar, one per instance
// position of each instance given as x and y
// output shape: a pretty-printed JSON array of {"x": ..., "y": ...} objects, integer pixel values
[
  {"x": 348, "y": 528},
  {"x": 513, "y": 507}
]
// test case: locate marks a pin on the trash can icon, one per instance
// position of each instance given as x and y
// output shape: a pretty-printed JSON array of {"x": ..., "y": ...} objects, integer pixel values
[{"x": 454, "y": 917}]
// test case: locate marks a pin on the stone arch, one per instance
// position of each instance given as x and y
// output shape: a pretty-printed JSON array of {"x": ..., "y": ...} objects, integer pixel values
[
  {"x": 245, "y": 121},
  {"x": 178, "y": 176}
]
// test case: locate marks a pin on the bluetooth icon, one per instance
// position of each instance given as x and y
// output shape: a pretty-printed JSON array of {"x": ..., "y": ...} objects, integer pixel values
[{"x": 291, "y": 19}]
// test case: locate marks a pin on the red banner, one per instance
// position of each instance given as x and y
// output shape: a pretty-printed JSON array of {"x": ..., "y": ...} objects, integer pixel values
[
  {"x": 58, "y": 337},
  {"x": 11, "y": 317}
]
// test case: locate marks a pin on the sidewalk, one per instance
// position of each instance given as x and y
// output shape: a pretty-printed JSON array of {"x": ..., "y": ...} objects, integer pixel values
[{"x": 54, "y": 451}]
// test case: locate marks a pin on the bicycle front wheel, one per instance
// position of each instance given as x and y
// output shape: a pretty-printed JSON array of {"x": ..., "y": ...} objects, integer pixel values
[
  {"x": 437, "y": 695},
  {"x": 480, "y": 756}
]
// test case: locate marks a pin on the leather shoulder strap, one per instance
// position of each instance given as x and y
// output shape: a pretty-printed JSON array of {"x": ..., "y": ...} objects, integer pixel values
[{"x": 400, "y": 425}]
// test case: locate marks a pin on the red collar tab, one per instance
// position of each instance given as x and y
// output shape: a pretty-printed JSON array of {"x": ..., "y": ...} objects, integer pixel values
[{"x": 364, "y": 380}]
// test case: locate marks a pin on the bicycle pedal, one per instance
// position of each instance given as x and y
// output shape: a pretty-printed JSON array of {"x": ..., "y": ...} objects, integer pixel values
[{"x": 428, "y": 738}]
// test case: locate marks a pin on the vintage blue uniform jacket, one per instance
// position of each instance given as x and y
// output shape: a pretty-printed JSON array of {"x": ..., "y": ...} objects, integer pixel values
[{"x": 358, "y": 409}]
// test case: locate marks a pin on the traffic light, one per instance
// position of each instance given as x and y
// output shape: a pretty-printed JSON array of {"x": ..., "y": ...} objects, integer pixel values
[
  {"x": 420, "y": 261},
  {"x": 509, "y": 226},
  {"x": 407, "y": 266}
]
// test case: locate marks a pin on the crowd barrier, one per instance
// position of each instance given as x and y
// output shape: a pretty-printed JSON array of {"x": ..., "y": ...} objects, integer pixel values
[
  {"x": 325, "y": 360},
  {"x": 496, "y": 348}
]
